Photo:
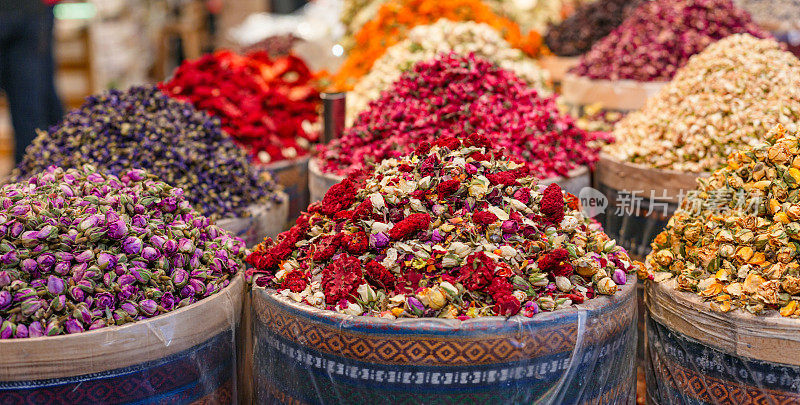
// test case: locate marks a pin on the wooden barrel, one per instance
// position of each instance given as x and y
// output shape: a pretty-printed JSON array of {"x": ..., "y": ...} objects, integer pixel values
[
  {"x": 264, "y": 221},
  {"x": 187, "y": 356},
  {"x": 293, "y": 176},
  {"x": 319, "y": 183},
  {"x": 614, "y": 95},
  {"x": 696, "y": 356},
  {"x": 558, "y": 66},
  {"x": 581, "y": 354}
]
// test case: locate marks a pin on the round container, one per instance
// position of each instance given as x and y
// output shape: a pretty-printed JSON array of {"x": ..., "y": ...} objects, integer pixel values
[
  {"x": 558, "y": 66},
  {"x": 581, "y": 354},
  {"x": 319, "y": 183},
  {"x": 614, "y": 95},
  {"x": 293, "y": 176},
  {"x": 264, "y": 221},
  {"x": 182, "y": 357},
  {"x": 696, "y": 356}
]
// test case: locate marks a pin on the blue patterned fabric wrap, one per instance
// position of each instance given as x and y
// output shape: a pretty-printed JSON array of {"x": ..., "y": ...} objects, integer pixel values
[
  {"x": 203, "y": 374},
  {"x": 308, "y": 356},
  {"x": 682, "y": 370}
]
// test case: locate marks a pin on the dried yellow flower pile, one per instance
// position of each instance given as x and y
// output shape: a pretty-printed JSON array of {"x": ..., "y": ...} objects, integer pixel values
[
  {"x": 735, "y": 241},
  {"x": 720, "y": 102}
]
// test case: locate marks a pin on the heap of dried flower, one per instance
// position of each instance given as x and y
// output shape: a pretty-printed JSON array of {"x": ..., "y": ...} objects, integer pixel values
[
  {"x": 427, "y": 41},
  {"x": 396, "y": 17},
  {"x": 590, "y": 22},
  {"x": 735, "y": 242},
  {"x": 141, "y": 128},
  {"x": 775, "y": 14},
  {"x": 660, "y": 36},
  {"x": 454, "y": 230},
  {"x": 452, "y": 95},
  {"x": 82, "y": 251},
  {"x": 268, "y": 106},
  {"x": 723, "y": 100}
]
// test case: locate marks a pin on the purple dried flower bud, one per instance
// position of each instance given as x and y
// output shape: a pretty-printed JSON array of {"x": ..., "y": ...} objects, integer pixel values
[
  {"x": 6, "y": 330},
  {"x": 55, "y": 285},
  {"x": 185, "y": 246},
  {"x": 35, "y": 329},
  {"x": 180, "y": 277},
  {"x": 11, "y": 258},
  {"x": 30, "y": 306},
  {"x": 53, "y": 328},
  {"x": 58, "y": 303},
  {"x": 47, "y": 232},
  {"x": 117, "y": 229},
  {"x": 24, "y": 294},
  {"x": 126, "y": 279},
  {"x": 127, "y": 291},
  {"x": 129, "y": 308},
  {"x": 170, "y": 246},
  {"x": 150, "y": 253},
  {"x": 415, "y": 306},
  {"x": 157, "y": 241},
  {"x": 149, "y": 307},
  {"x": 437, "y": 236},
  {"x": 619, "y": 277},
  {"x": 22, "y": 331},
  {"x": 379, "y": 240},
  {"x": 98, "y": 324},
  {"x": 89, "y": 222},
  {"x": 106, "y": 260},
  {"x": 187, "y": 291},
  {"x": 510, "y": 226},
  {"x": 139, "y": 221},
  {"x": 168, "y": 301},
  {"x": 15, "y": 230},
  {"x": 133, "y": 245},
  {"x": 46, "y": 261},
  {"x": 73, "y": 326},
  {"x": 28, "y": 238},
  {"x": 5, "y": 299},
  {"x": 84, "y": 256},
  {"x": 77, "y": 294},
  {"x": 64, "y": 256},
  {"x": 5, "y": 278},
  {"x": 104, "y": 300},
  {"x": 198, "y": 286},
  {"x": 28, "y": 265}
]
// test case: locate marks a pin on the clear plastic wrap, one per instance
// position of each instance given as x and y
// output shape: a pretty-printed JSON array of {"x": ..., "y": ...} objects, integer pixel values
[
  {"x": 185, "y": 356},
  {"x": 265, "y": 220},
  {"x": 583, "y": 354},
  {"x": 697, "y": 356}
]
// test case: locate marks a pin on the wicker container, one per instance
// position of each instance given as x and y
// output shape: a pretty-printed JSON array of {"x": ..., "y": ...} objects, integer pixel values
[
  {"x": 696, "y": 356},
  {"x": 582, "y": 354},
  {"x": 182, "y": 357},
  {"x": 264, "y": 221},
  {"x": 614, "y": 95},
  {"x": 319, "y": 183},
  {"x": 293, "y": 176}
]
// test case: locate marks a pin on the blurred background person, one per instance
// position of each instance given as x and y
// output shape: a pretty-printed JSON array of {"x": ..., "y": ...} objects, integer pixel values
[{"x": 27, "y": 68}]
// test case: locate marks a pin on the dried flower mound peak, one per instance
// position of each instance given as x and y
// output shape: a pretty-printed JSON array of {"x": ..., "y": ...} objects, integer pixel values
[
  {"x": 83, "y": 250},
  {"x": 659, "y": 37},
  {"x": 452, "y": 95},
  {"x": 722, "y": 101},
  {"x": 735, "y": 241},
  {"x": 590, "y": 22},
  {"x": 143, "y": 128},
  {"x": 396, "y": 17},
  {"x": 425, "y": 42},
  {"x": 267, "y": 105},
  {"x": 453, "y": 230}
]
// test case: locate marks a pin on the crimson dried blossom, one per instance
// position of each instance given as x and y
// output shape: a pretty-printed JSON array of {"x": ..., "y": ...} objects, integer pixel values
[
  {"x": 453, "y": 95},
  {"x": 267, "y": 105},
  {"x": 91, "y": 267},
  {"x": 143, "y": 128},
  {"x": 659, "y": 37},
  {"x": 480, "y": 251}
]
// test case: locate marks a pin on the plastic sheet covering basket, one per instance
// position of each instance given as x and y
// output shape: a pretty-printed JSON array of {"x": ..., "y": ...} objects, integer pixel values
[
  {"x": 184, "y": 357},
  {"x": 696, "y": 356},
  {"x": 583, "y": 354},
  {"x": 267, "y": 220}
]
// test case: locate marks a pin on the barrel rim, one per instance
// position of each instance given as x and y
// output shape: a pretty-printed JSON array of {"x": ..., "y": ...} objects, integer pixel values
[
  {"x": 116, "y": 347},
  {"x": 769, "y": 337},
  {"x": 428, "y": 325}
]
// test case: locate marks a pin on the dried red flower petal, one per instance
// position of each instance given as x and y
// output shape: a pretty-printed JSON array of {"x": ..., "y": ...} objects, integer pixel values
[
  {"x": 552, "y": 204},
  {"x": 445, "y": 188},
  {"x": 409, "y": 226},
  {"x": 341, "y": 278},
  {"x": 478, "y": 272},
  {"x": 295, "y": 281},
  {"x": 483, "y": 218},
  {"x": 379, "y": 276},
  {"x": 339, "y": 197},
  {"x": 556, "y": 263}
]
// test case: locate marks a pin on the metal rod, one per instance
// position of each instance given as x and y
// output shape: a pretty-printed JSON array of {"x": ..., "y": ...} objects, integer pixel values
[{"x": 333, "y": 112}]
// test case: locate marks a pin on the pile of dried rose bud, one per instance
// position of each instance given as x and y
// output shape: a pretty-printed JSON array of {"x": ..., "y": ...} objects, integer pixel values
[
  {"x": 734, "y": 241},
  {"x": 82, "y": 250},
  {"x": 454, "y": 230},
  {"x": 268, "y": 106},
  {"x": 659, "y": 37},
  {"x": 452, "y": 95}
]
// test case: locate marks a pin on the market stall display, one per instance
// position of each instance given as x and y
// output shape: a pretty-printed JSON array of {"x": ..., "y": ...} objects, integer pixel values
[
  {"x": 101, "y": 278},
  {"x": 454, "y": 94},
  {"x": 438, "y": 249},
  {"x": 425, "y": 42},
  {"x": 143, "y": 128},
  {"x": 396, "y": 17},
  {"x": 725, "y": 283}
]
